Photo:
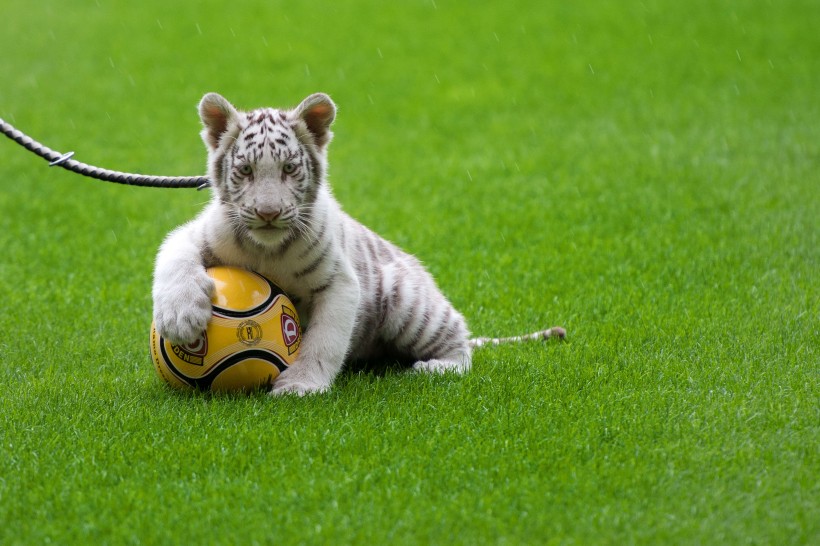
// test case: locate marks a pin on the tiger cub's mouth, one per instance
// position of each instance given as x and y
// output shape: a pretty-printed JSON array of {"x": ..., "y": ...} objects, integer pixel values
[
  {"x": 269, "y": 230},
  {"x": 268, "y": 227}
]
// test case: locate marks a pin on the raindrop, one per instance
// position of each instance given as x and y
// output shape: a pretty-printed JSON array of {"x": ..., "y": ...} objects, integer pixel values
[
  {"x": 470, "y": 176},
  {"x": 199, "y": 30},
  {"x": 436, "y": 77},
  {"x": 738, "y": 55},
  {"x": 265, "y": 41},
  {"x": 591, "y": 70},
  {"x": 497, "y": 39},
  {"x": 379, "y": 51},
  {"x": 159, "y": 24}
]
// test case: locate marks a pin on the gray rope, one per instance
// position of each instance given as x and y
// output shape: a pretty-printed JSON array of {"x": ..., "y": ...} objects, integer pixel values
[{"x": 65, "y": 161}]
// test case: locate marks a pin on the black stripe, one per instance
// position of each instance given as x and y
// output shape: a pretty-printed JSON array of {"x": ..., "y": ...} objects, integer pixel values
[
  {"x": 371, "y": 244},
  {"x": 381, "y": 300},
  {"x": 219, "y": 168},
  {"x": 433, "y": 341},
  {"x": 444, "y": 328},
  {"x": 316, "y": 174},
  {"x": 316, "y": 263},
  {"x": 343, "y": 238},
  {"x": 286, "y": 244},
  {"x": 384, "y": 250},
  {"x": 364, "y": 276},
  {"x": 410, "y": 314},
  {"x": 416, "y": 337},
  {"x": 395, "y": 296},
  {"x": 209, "y": 258},
  {"x": 296, "y": 195},
  {"x": 317, "y": 240},
  {"x": 322, "y": 288},
  {"x": 240, "y": 233},
  {"x": 437, "y": 350},
  {"x": 362, "y": 263}
]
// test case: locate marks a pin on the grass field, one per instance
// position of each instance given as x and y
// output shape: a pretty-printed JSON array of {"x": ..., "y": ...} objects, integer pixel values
[{"x": 646, "y": 174}]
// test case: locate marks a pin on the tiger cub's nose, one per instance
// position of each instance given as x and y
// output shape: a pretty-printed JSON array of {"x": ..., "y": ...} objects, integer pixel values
[{"x": 267, "y": 214}]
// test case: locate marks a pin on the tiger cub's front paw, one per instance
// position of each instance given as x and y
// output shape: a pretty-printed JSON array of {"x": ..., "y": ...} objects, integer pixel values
[
  {"x": 299, "y": 380},
  {"x": 182, "y": 311}
]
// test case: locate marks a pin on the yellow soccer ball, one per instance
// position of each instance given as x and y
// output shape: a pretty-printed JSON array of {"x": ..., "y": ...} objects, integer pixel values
[{"x": 253, "y": 336}]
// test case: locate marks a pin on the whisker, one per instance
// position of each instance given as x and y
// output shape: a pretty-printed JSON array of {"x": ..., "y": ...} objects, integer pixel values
[{"x": 302, "y": 227}]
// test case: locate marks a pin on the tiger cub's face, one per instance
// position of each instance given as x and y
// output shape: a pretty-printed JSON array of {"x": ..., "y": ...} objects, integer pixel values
[{"x": 266, "y": 165}]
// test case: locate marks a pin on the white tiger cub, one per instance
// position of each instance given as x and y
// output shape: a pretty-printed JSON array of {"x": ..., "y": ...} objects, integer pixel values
[{"x": 272, "y": 211}]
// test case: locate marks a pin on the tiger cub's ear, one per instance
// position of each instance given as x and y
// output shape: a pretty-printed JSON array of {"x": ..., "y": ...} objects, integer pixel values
[
  {"x": 216, "y": 114},
  {"x": 318, "y": 113}
]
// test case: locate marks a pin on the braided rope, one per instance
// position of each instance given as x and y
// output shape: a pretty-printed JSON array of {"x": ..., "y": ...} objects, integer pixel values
[{"x": 65, "y": 161}]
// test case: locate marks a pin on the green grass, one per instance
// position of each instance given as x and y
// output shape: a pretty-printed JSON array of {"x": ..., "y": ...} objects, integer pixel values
[{"x": 642, "y": 173}]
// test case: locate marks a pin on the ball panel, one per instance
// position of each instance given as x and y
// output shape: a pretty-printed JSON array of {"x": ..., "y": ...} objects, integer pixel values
[
  {"x": 240, "y": 293},
  {"x": 249, "y": 370}
]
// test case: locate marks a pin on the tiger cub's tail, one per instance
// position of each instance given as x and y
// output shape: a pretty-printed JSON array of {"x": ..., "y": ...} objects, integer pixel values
[{"x": 555, "y": 331}]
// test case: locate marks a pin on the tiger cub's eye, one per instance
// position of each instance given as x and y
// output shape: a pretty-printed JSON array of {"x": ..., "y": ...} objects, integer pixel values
[
  {"x": 289, "y": 168},
  {"x": 245, "y": 169}
]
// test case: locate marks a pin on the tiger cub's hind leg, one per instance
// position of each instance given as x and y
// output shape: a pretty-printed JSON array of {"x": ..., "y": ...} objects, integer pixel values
[
  {"x": 452, "y": 351},
  {"x": 420, "y": 324},
  {"x": 435, "y": 340},
  {"x": 456, "y": 363}
]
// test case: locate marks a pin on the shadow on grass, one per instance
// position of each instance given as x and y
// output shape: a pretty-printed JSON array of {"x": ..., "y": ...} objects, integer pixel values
[{"x": 379, "y": 367}]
